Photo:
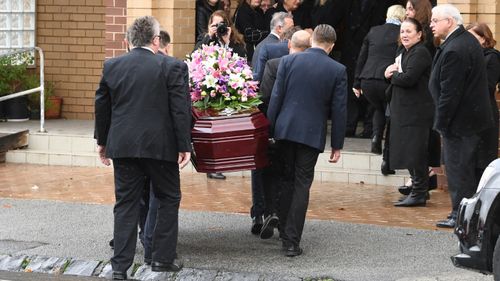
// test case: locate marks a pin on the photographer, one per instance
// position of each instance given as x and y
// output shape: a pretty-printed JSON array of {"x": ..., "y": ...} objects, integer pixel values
[{"x": 222, "y": 32}]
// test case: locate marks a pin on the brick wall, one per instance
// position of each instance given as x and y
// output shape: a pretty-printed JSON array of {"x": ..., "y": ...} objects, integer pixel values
[
  {"x": 76, "y": 36},
  {"x": 71, "y": 32},
  {"x": 116, "y": 25}
]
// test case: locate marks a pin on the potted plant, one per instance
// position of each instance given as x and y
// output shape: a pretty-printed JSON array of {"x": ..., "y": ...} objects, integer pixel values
[
  {"x": 52, "y": 104},
  {"x": 13, "y": 75},
  {"x": 229, "y": 133}
]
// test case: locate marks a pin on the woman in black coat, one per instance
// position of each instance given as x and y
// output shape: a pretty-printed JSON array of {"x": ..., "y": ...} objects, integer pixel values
[
  {"x": 488, "y": 150},
  {"x": 412, "y": 111},
  {"x": 421, "y": 10},
  {"x": 250, "y": 21},
  {"x": 204, "y": 8}
]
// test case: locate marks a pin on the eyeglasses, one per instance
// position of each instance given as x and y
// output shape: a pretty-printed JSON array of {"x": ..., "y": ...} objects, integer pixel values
[{"x": 435, "y": 21}]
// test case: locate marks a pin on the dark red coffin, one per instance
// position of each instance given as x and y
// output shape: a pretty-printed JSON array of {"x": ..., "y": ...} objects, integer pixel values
[{"x": 229, "y": 143}]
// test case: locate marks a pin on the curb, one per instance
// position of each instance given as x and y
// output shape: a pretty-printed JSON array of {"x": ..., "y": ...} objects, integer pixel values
[{"x": 102, "y": 269}]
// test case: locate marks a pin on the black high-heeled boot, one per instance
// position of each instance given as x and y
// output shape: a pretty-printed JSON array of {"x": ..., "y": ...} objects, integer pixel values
[{"x": 376, "y": 145}]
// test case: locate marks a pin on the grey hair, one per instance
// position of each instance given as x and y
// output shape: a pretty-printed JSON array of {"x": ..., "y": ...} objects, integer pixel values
[
  {"x": 450, "y": 11},
  {"x": 324, "y": 34},
  {"x": 279, "y": 19},
  {"x": 143, "y": 31}
]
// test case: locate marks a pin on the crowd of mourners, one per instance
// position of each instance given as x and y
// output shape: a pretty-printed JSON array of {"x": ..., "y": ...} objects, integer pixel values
[{"x": 421, "y": 82}]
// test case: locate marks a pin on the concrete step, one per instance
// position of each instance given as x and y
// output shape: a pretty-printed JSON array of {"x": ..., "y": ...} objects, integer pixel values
[{"x": 80, "y": 150}]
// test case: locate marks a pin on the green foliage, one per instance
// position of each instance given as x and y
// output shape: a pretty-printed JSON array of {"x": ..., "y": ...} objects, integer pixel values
[
  {"x": 33, "y": 81},
  {"x": 14, "y": 72},
  {"x": 221, "y": 103}
]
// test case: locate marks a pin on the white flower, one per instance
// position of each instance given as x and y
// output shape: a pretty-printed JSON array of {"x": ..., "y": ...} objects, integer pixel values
[{"x": 210, "y": 81}]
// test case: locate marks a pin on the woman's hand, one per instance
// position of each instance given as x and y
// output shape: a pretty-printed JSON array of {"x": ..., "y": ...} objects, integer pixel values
[
  {"x": 389, "y": 71},
  {"x": 212, "y": 30}
]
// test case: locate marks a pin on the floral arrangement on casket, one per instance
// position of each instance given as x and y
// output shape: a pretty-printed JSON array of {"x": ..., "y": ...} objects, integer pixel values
[
  {"x": 229, "y": 132},
  {"x": 221, "y": 80}
]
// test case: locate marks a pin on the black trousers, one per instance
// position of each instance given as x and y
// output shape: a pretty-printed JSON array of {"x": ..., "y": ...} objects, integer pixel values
[
  {"x": 296, "y": 177},
  {"x": 460, "y": 155},
  {"x": 130, "y": 177},
  {"x": 374, "y": 91}
]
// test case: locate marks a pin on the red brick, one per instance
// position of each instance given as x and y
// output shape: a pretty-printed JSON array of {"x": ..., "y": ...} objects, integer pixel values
[
  {"x": 115, "y": 11},
  {"x": 121, "y": 3},
  {"x": 120, "y": 20},
  {"x": 114, "y": 28}
]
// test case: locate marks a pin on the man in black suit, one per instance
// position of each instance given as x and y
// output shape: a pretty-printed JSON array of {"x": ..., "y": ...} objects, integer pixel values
[
  {"x": 310, "y": 87},
  {"x": 459, "y": 88},
  {"x": 280, "y": 22},
  {"x": 271, "y": 51},
  {"x": 142, "y": 112}
]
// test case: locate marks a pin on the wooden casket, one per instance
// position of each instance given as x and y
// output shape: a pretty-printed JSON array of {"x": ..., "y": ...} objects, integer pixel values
[{"x": 228, "y": 143}]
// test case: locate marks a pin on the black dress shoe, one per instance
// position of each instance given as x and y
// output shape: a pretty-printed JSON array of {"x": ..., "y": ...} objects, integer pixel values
[
  {"x": 117, "y": 275},
  {"x": 174, "y": 266},
  {"x": 217, "y": 176},
  {"x": 412, "y": 201},
  {"x": 376, "y": 145},
  {"x": 405, "y": 190},
  {"x": 384, "y": 168},
  {"x": 293, "y": 251},
  {"x": 433, "y": 183},
  {"x": 147, "y": 261},
  {"x": 257, "y": 223},
  {"x": 270, "y": 223},
  {"x": 112, "y": 243},
  {"x": 448, "y": 223}
]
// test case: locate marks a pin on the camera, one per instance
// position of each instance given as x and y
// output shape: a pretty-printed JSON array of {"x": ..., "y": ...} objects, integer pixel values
[{"x": 222, "y": 29}]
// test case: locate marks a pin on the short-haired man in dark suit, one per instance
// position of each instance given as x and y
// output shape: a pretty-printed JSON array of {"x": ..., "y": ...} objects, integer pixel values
[
  {"x": 460, "y": 91},
  {"x": 310, "y": 87},
  {"x": 143, "y": 124},
  {"x": 280, "y": 22}
]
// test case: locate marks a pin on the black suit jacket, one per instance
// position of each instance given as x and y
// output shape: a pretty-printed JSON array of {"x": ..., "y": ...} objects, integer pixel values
[
  {"x": 377, "y": 52},
  {"x": 142, "y": 107},
  {"x": 270, "y": 39},
  {"x": 459, "y": 86},
  {"x": 310, "y": 87},
  {"x": 268, "y": 79},
  {"x": 267, "y": 52}
]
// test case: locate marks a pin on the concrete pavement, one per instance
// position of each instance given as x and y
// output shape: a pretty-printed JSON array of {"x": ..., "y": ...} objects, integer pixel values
[{"x": 222, "y": 242}]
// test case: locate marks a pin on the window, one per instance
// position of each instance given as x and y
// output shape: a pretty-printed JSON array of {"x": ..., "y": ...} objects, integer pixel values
[{"x": 17, "y": 25}]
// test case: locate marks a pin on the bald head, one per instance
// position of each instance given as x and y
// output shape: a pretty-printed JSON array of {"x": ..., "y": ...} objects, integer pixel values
[{"x": 300, "y": 41}]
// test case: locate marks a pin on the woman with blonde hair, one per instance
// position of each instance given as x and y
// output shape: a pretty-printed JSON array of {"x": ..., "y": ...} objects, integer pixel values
[{"x": 377, "y": 52}]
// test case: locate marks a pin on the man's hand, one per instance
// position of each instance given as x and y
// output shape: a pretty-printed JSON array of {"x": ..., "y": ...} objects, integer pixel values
[
  {"x": 101, "y": 149},
  {"x": 183, "y": 159},
  {"x": 334, "y": 156}
]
